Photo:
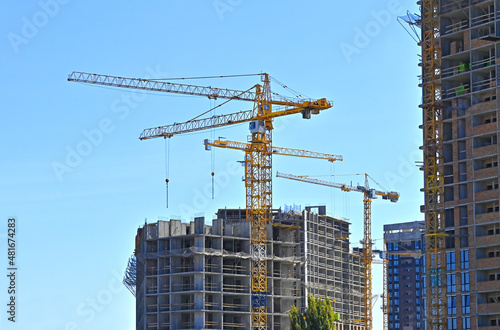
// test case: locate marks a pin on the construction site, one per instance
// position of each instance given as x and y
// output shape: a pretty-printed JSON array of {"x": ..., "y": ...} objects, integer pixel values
[
  {"x": 248, "y": 267},
  {"x": 196, "y": 276}
]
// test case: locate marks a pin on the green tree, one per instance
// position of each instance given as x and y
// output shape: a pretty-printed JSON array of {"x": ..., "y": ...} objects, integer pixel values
[{"x": 319, "y": 315}]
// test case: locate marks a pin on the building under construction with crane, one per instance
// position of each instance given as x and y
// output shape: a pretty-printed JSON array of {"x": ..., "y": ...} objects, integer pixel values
[
  {"x": 196, "y": 276},
  {"x": 460, "y": 124},
  {"x": 259, "y": 216}
]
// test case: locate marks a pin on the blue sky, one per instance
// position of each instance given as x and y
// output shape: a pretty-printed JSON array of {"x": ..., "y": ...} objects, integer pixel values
[{"x": 79, "y": 181}]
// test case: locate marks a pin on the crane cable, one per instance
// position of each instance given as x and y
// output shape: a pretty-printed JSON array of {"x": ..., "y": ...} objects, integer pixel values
[
  {"x": 218, "y": 106},
  {"x": 212, "y": 152},
  {"x": 296, "y": 93},
  {"x": 210, "y": 77},
  {"x": 167, "y": 167}
]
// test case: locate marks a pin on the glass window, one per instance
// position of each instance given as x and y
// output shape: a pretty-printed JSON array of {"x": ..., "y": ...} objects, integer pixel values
[
  {"x": 450, "y": 283},
  {"x": 450, "y": 260},
  {"x": 452, "y": 305},
  {"x": 465, "y": 304},
  {"x": 466, "y": 323},
  {"x": 452, "y": 324},
  {"x": 464, "y": 259},
  {"x": 465, "y": 282}
]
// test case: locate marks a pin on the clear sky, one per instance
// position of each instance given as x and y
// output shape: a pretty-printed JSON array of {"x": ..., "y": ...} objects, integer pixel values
[{"x": 79, "y": 182}]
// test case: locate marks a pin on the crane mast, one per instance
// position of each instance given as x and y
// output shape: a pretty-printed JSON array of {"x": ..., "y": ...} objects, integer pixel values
[
  {"x": 258, "y": 184},
  {"x": 367, "y": 242},
  {"x": 433, "y": 166},
  {"x": 258, "y": 155},
  {"x": 257, "y": 167}
]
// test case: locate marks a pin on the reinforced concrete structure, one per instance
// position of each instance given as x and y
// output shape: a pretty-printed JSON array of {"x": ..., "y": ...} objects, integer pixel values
[
  {"x": 404, "y": 246},
  {"x": 196, "y": 276},
  {"x": 460, "y": 75}
]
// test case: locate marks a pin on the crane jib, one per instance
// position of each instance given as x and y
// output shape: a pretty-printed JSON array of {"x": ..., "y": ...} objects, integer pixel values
[{"x": 210, "y": 92}]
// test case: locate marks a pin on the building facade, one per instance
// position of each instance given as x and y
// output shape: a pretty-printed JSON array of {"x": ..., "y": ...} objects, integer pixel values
[
  {"x": 196, "y": 276},
  {"x": 468, "y": 44},
  {"x": 404, "y": 243}
]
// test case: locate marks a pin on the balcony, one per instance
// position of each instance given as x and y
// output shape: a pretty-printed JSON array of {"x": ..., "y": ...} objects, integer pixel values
[
  {"x": 488, "y": 285},
  {"x": 454, "y": 70},
  {"x": 152, "y": 308},
  {"x": 483, "y": 19},
  {"x": 182, "y": 287},
  {"x": 457, "y": 91},
  {"x": 484, "y": 84},
  {"x": 235, "y": 288},
  {"x": 484, "y": 128},
  {"x": 484, "y": 106},
  {"x": 486, "y": 173},
  {"x": 153, "y": 289},
  {"x": 484, "y": 63},
  {"x": 485, "y": 151},
  {"x": 456, "y": 27},
  {"x": 491, "y": 308},
  {"x": 486, "y": 217},
  {"x": 488, "y": 262},
  {"x": 454, "y": 6},
  {"x": 487, "y": 240},
  {"x": 186, "y": 306},
  {"x": 486, "y": 195}
]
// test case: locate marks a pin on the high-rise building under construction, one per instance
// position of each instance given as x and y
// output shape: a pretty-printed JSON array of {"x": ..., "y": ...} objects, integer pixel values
[
  {"x": 196, "y": 276},
  {"x": 460, "y": 40}
]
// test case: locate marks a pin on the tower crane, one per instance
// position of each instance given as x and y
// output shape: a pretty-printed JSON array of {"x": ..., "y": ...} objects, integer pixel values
[
  {"x": 432, "y": 109},
  {"x": 258, "y": 156},
  {"x": 369, "y": 194}
]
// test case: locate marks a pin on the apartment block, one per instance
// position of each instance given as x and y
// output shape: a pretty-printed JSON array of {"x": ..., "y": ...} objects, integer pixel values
[
  {"x": 404, "y": 243},
  {"x": 469, "y": 35},
  {"x": 197, "y": 276}
]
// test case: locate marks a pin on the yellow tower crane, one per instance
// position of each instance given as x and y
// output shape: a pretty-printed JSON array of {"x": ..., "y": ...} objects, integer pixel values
[
  {"x": 258, "y": 156},
  {"x": 369, "y": 194},
  {"x": 433, "y": 165}
]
